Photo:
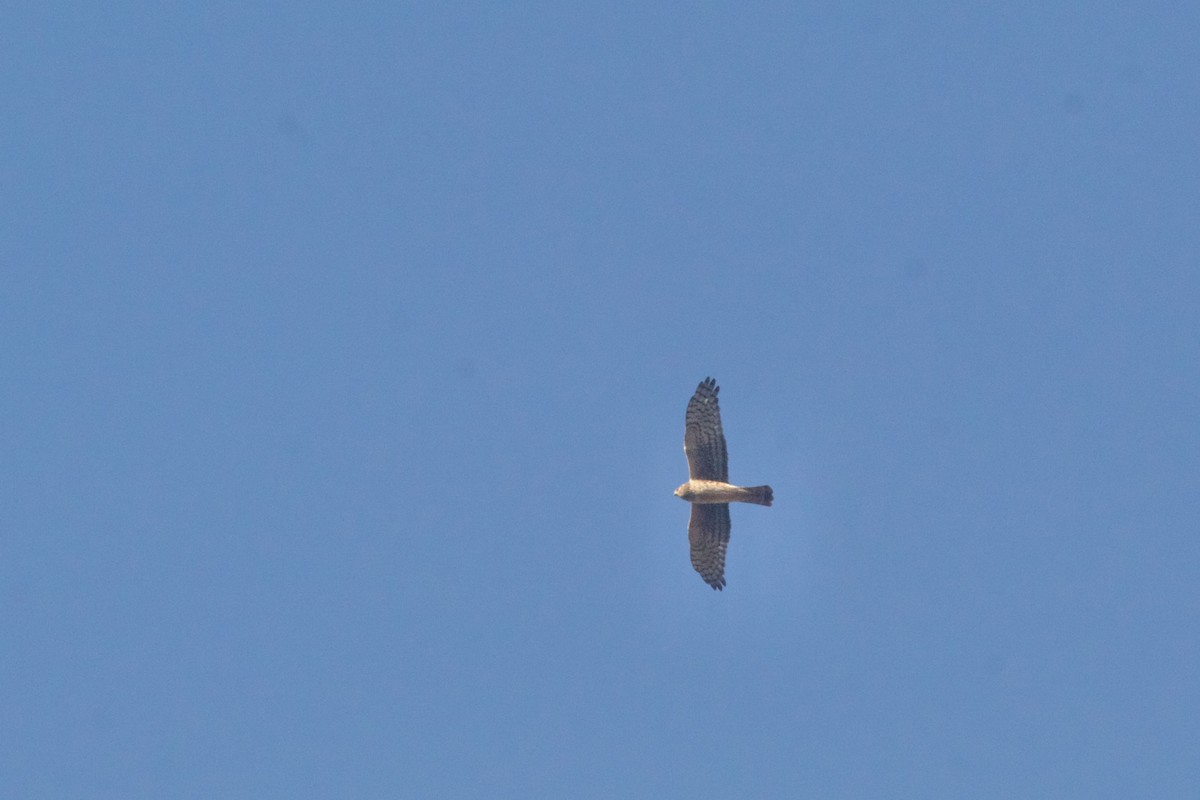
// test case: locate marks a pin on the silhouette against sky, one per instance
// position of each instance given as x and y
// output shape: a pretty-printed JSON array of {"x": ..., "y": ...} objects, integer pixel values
[{"x": 346, "y": 351}]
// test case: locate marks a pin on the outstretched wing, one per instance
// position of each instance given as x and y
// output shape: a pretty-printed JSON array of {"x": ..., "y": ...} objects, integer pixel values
[
  {"x": 703, "y": 440},
  {"x": 708, "y": 533}
]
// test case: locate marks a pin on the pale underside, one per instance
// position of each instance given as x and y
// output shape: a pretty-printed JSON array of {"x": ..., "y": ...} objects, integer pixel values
[{"x": 700, "y": 491}]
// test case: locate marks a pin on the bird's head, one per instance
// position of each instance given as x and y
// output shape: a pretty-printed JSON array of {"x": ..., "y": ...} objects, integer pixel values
[{"x": 684, "y": 492}]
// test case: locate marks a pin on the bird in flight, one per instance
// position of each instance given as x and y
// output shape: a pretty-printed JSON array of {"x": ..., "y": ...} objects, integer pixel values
[{"x": 709, "y": 491}]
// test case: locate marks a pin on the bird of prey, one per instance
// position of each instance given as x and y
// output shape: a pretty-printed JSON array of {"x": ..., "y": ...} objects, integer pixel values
[{"x": 709, "y": 491}]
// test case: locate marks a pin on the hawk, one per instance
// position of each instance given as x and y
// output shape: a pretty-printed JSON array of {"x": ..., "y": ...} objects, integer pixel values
[{"x": 708, "y": 490}]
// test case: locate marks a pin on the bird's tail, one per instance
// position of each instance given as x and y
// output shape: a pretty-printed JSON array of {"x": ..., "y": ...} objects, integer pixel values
[{"x": 762, "y": 495}]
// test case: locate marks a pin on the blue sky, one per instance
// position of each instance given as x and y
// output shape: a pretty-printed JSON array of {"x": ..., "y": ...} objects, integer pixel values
[{"x": 347, "y": 348}]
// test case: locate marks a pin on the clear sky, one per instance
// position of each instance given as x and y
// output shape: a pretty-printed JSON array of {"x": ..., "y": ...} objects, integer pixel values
[{"x": 345, "y": 352}]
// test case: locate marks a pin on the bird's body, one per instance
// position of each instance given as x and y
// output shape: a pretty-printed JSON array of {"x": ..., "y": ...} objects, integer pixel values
[
  {"x": 708, "y": 490},
  {"x": 698, "y": 491}
]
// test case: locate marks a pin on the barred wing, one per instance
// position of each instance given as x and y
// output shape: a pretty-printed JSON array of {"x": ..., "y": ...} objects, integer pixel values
[
  {"x": 708, "y": 533},
  {"x": 703, "y": 439}
]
